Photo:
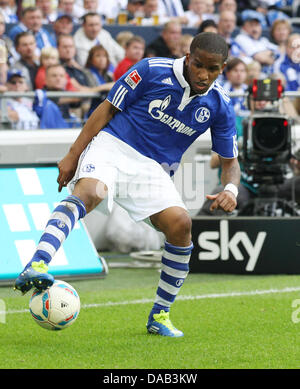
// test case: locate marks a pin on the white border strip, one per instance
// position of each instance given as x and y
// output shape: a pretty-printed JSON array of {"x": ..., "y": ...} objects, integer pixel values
[{"x": 182, "y": 298}]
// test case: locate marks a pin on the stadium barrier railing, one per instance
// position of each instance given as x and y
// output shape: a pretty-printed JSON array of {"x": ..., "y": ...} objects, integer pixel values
[{"x": 86, "y": 95}]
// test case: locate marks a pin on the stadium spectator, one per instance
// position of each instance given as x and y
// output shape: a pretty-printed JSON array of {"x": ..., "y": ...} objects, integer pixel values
[
  {"x": 171, "y": 8},
  {"x": 196, "y": 13},
  {"x": 90, "y": 6},
  {"x": 185, "y": 43},
  {"x": 111, "y": 9},
  {"x": 235, "y": 50},
  {"x": 81, "y": 78},
  {"x": 271, "y": 9},
  {"x": 54, "y": 112},
  {"x": 227, "y": 5},
  {"x": 98, "y": 64},
  {"x": 209, "y": 13},
  {"x": 152, "y": 7},
  {"x": 9, "y": 12},
  {"x": 236, "y": 75},
  {"x": 208, "y": 25},
  {"x": 4, "y": 39},
  {"x": 32, "y": 20},
  {"x": 49, "y": 15},
  {"x": 227, "y": 25},
  {"x": 251, "y": 4},
  {"x": 168, "y": 43},
  {"x": 134, "y": 6},
  {"x": 253, "y": 44},
  {"x": 254, "y": 71},
  {"x": 280, "y": 31},
  {"x": 19, "y": 110},
  {"x": 67, "y": 54},
  {"x": 210, "y": 9},
  {"x": 3, "y": 65},
  {"x": 25, "y": 45},
  {"x": 49, "y": 56},
  {"x": 273, "y": 15},
  {"x": 62, "y": 25},
  {"x": 71, "y": 8},
  {"x": 152, "y": 14},
  {"x": 108, "y": 9},
  {"x": 134, "y": 52},
  {"x": 289, "y": 66},
  {"x": 123, "y": 37},
  {"x": 90, "y": 34}
]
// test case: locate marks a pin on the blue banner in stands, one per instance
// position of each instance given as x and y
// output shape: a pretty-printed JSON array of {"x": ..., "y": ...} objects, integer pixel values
[{"x": 27, "y": 198}]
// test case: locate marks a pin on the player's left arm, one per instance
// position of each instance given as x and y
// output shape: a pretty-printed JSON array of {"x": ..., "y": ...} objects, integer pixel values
[
  {"x": 224, "y": 143},
  {"x": 230, "y": 179}
]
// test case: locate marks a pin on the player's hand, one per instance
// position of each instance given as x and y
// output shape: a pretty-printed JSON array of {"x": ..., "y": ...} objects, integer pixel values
[
  {"x": 67, "y": 168},
  {"x": 225, "y": 200}
]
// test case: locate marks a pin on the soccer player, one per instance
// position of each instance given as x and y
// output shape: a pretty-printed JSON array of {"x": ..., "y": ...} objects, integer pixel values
[{"x": 151, "y": 116}]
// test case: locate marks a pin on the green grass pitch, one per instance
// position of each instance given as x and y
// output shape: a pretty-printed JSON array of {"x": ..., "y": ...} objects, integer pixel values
[{"x": 227, "y": 322}]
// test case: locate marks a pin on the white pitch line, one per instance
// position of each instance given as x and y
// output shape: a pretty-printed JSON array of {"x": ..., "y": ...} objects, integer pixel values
[{"x": 182, "y": 298}]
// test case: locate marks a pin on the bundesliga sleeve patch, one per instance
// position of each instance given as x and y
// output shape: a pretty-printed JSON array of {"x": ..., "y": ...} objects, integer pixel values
[{"x": 133, "y": 79}]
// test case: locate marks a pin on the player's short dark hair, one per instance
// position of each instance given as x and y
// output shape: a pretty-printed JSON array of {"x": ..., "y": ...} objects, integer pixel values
[{"x": 210, "y": 42}]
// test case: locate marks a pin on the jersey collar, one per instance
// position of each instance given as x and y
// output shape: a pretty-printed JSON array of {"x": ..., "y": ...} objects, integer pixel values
[{"x": 178, "y": 71}]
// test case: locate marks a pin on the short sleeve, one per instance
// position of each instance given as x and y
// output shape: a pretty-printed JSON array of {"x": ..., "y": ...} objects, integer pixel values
[
  {"x": 130, "y": 87},
  {"x": 223, "y": 133}
]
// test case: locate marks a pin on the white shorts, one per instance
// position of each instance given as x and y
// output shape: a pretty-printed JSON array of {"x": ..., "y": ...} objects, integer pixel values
[{"x": 137, "y": 183}]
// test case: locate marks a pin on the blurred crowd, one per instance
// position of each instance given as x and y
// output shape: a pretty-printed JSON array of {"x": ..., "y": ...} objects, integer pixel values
[{"x": 64, "y": 45}]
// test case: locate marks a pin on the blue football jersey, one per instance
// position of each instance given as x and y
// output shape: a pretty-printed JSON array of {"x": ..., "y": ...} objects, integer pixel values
[{"x": 158, "y": 117}]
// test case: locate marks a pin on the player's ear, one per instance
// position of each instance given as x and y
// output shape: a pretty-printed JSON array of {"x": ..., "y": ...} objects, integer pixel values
[
  {"x": 187, "y": 58},
  {"x": 223, "y": 67}
]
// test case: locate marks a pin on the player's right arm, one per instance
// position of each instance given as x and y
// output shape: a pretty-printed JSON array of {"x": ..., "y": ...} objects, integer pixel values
[
  {"x": 125, "y": 92},
  {"x": 98, "y": 120}
]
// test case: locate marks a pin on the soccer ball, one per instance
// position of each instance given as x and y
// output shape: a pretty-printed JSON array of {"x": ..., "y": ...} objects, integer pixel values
[{"x": 55, "y": 308}]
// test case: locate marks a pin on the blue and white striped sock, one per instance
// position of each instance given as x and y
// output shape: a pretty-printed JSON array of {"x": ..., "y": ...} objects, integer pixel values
[
  {"x": 175, "y": 268},
  {"x": 59, "y": 226}
]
